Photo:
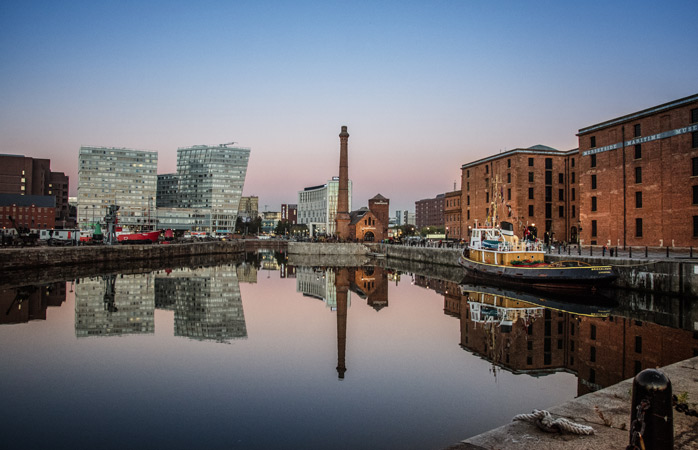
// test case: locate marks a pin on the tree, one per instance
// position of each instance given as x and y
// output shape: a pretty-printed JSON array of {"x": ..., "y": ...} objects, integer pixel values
[{"x": 283, "y": 227}]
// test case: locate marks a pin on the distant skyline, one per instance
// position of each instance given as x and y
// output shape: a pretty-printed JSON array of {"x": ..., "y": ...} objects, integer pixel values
[{"x": 423, "y": 87}]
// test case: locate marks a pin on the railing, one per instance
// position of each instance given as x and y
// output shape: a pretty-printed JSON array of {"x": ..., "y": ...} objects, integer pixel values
[{"x": 636, "y": 252}]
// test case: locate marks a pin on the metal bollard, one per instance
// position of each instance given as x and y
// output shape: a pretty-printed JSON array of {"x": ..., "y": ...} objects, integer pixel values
[
  {"x": 630, "y": 252},
  {"x": 667, "y": 251},
  {"x": 591, "y": 250},
  {"x": 651, "y": 412},
  {"x": 691, "y": 253},
  {"x": 645, "y": 251}
]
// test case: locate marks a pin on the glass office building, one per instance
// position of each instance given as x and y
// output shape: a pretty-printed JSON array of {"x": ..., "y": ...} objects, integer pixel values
[
  {"x": 211, "y": 179},
  {"x": 117, "y": 176},
  {"x": 317, "y": 207}
]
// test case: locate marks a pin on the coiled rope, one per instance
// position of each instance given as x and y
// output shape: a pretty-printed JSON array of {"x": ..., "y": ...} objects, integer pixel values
[{"x": 545, "y": 422}]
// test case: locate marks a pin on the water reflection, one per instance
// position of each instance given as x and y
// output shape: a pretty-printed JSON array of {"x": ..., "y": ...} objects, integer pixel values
[
  {"x": 535, "y": 334},
  {"x": 206, "y": 302},
  {"x": 20, "y": 305}
]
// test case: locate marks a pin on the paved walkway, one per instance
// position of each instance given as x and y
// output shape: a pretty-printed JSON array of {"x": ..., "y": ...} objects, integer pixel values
[{"x": 607, "y": 411}]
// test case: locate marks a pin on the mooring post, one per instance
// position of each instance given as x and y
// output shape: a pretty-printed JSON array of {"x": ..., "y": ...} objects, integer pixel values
[
  {"x": 603, "y": 251},
  {"x": 591, "y": 250},
  {"x": 667, "y": 251},
  {"x": 651, "y": 413},
  {"x": 690, "y": 255},
  {"x": 646, "y": 249},
  {"x": 630, "y": 252}
]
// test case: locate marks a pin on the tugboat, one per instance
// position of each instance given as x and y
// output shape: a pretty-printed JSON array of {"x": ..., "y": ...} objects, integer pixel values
[{"x": 496, "y": 254}]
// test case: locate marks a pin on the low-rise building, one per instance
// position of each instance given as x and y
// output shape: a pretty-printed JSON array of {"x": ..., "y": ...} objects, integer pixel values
[{"x": 34, "y": 212}]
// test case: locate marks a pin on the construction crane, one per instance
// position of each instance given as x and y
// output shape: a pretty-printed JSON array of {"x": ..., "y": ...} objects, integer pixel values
[{"x": 228, "y": 143}]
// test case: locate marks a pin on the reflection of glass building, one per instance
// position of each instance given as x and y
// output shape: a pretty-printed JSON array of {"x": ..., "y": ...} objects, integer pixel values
[
  {"x": 111, "y": 305},
  {"x": 317, "y": 207},
  {"x": 206, "y": 302},
  {"x": 318, "y": 283},
  {"x": 211, "y": 179},
  {"x": 247, "y": 273},
  {"x": 121, "y": 176}
]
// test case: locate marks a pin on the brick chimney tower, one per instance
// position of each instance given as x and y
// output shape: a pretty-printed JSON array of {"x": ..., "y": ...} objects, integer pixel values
[{"x": 342, "y": 218}]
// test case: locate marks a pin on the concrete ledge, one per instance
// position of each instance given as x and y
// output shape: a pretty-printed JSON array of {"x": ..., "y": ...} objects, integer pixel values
[
  {"x": 35, "y": 257},
  {"x": 607, "y": 411},
  {"x": 327, "y": 248}
]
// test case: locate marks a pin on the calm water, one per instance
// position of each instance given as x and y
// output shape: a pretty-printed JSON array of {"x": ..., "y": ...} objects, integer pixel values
[{"x": 262, "y": 356}]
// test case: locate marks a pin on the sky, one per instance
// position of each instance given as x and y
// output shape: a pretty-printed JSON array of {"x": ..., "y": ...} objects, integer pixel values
[{"x": 423, "y": 86}]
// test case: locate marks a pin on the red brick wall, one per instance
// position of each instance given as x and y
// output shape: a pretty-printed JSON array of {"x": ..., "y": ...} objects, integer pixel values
[{"x": 667, "y": 204}]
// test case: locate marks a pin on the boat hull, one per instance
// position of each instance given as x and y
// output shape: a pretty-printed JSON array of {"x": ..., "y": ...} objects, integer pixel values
[
  {"x": 540, "y": 277},
  {"x": 147, "y": 237}
]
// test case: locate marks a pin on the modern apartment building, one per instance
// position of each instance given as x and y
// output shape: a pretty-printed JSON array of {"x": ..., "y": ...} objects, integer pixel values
[
  {"x": 452, "y": 214},
  {"x": 249, "y": 208},
  {"x": 429, "y": 212},
  {"x": 534, "y": 188},
  {"x": 211, "y": 179},
  {"x": 638, "y": 175},
  {"x": 317, "y": 207},
  {"x": 23, "y": 175},
  {"x": 117, "y": 176},
  {"x": 404, "y": 217}
]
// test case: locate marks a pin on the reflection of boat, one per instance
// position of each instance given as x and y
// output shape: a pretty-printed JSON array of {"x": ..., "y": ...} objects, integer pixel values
[
  {"x": 495, "y": 253},
  {"x": 583, "y": 304}
]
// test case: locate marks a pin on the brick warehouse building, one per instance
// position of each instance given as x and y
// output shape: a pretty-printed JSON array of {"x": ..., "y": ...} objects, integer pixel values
[
  {"x": 24, "y": 175},
  {"x": 638, "y": 177},
  {"x": 535, "y": 188}
]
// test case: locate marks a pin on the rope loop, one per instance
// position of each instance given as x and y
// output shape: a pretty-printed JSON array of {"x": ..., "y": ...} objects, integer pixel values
[{"x": 545, "y": 421}]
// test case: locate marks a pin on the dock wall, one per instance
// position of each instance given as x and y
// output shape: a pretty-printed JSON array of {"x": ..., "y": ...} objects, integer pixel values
[{"x": 37, "y": 257}]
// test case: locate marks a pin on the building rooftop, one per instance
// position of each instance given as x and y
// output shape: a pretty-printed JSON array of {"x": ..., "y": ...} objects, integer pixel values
[
  {"x": 41, "y": 201},
  {"x": 640, "y": 114}
]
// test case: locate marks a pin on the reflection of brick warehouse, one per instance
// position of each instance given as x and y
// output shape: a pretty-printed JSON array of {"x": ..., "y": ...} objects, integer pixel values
[
  {"x": 601, "y": 351},
  {"x": 20, "y": 305},
  {"x": 371, "y": 283},
  {"x": 617, "y": 348},
  {"x": 530, "y": 343}
]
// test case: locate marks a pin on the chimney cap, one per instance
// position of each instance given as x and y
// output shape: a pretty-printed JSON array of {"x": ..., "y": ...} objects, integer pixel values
[{"x": 344, "y": 132}]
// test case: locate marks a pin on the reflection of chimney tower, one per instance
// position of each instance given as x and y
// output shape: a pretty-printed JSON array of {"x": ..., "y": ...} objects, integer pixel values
[
  {"x": 342, "y": 285},
  {"x": 342, "y": 219}
]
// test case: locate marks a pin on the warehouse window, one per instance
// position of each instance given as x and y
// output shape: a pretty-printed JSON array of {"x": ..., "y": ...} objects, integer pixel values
[
  {"x": 638, "y": 151},
  {"x": 638, "y": 175},
  {"x": 638, "y": 130},
  {"x": 530, "y": 162},
  {"x": 593, "y": 228},
  {"x": 593, "y": 181},
  {"x": 593, "y": 160},
  {"x": 593, "y": 203},
  {"x": 592, "y": 142},
  {"x": 638, "y": 227},
  {"x": 694, "y": 115},
  {"x": 638, "y": 199}
]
